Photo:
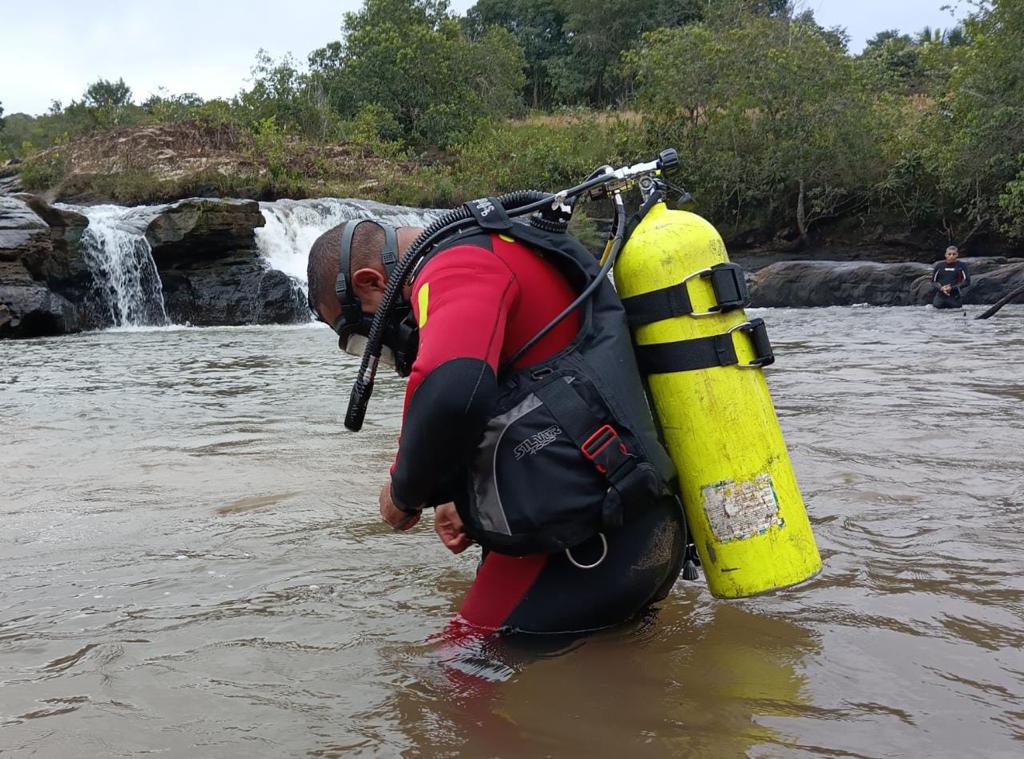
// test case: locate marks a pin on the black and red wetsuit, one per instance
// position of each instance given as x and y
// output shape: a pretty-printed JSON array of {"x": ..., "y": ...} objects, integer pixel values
[
  {"x": 477, "y": 303},
  {"x": 954, "y": 274}
]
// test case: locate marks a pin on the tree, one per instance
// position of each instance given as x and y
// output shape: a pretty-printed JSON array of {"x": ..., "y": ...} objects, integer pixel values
[
  {"x": 977, "y": 129},
  {"x": 538, "y": 26},
  {"x": 894, "y": 59},
  {"x": 772, "y": 114},
  {"x": 410, "y": 59},
  {"x": 103, "y": 93},
  {"x": 600, "y": 31}
]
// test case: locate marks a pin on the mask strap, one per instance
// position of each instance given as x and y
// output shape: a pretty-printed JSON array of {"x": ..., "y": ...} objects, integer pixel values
[
  {"x": 341, "y": 286},
  {"x": 389, "y": 256}
]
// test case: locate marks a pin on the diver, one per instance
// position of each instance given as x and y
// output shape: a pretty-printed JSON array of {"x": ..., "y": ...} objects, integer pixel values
[
  {"x": 949, "y": 278},
  {"x": 475, "y": 304}
]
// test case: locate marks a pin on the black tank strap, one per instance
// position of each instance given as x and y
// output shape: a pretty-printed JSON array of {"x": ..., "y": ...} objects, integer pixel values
[
  {"x": 727, "y": 282},
  {"x": 706, "y": 352},
  {"x": 658, "y": 305}
]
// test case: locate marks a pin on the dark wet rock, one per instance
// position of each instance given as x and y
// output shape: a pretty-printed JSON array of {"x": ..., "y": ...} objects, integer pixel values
[
  {"x": 30, "y": 309},
  {"x": 242, "y": 292},
  {"x": 989, "y": 286},
  {"x": 22, "y": 233},
  {"x": 200, "y": 229},
  {"x": 10, "y": 183},
  {"x": 846, "y": 283},
  {"x": 63, "y": 262},
  {"x": 212, "y": 273},
  {"x": 14, "y": 273},
  {"x": 41, "y": 268},
  {"x": 835, "y": 283}
]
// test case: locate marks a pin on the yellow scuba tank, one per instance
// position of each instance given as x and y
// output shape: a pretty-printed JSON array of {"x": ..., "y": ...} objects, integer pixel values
[{"x": 703, "y": 358}]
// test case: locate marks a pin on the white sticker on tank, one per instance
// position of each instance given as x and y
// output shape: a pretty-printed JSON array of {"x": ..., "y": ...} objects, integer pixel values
[{"x": 740, "y": 510}]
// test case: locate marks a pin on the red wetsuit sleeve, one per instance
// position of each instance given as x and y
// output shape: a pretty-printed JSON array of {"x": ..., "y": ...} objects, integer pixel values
[{"x": 461, "y": 300}]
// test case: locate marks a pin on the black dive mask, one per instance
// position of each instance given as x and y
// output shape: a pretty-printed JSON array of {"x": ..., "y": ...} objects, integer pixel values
[{"x": 401, "y": 336}]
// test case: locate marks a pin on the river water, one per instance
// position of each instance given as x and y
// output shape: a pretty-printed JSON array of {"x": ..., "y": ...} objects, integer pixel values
[{"x": 191, "y": 565}]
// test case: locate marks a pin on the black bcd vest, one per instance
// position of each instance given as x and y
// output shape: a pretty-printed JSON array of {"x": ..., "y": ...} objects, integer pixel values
[{"x": 571, "y": 445}]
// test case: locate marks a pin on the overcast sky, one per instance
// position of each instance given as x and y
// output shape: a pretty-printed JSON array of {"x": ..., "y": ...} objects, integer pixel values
[{"x": 53, "y": 50}]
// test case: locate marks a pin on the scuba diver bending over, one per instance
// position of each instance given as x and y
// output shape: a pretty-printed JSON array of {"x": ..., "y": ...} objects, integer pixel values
[
  {"x": 949, "y": 277},
  {"x": 541, "y": 450}
]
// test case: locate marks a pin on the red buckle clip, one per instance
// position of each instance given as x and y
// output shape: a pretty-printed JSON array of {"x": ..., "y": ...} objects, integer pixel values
[{"x": 596, "y": 443}]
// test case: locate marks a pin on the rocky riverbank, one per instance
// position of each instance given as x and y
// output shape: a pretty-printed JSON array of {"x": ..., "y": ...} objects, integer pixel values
[
  {"x": 200, "y": 264},
  {"x": 846, "y": 283},
  {"x": 208, "y": 270},
  {"x": 211, "y": 271}
]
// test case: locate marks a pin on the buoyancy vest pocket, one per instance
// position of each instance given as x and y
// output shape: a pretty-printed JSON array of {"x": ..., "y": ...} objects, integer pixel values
[{"x": 553, "y": 469}]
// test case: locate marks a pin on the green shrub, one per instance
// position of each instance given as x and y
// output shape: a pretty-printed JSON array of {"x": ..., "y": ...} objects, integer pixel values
[
  {"x": 41, "y": 171},
  {"x": 543, "y": 152},
  {"x": 1012, "y": 204}
]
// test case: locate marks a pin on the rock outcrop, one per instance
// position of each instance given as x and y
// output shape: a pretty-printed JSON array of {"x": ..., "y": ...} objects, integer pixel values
[
  {"x": 41, "y": 269},
  {"x": 846, "y": 283},
  {"x": 212, "y": 274},
  {"x": 204, "y": 251},
  {"x": 211, "y": 271}
]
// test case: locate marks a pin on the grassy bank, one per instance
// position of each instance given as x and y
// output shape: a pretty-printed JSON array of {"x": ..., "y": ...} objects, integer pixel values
[{"x": 156, "y": 163}]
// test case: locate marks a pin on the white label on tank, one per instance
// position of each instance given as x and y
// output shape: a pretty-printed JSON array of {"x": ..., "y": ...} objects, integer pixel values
[{"x": 740, "y": 510}]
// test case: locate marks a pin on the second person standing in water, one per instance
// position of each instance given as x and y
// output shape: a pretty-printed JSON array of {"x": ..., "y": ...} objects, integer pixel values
[{"x": 949, "y": 278}]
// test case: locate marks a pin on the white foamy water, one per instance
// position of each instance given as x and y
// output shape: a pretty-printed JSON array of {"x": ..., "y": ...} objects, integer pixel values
[
  {"x": 122, "y": 265},
  {"x": 293, "y": 225},
  {"x": 126, "y": 277}
]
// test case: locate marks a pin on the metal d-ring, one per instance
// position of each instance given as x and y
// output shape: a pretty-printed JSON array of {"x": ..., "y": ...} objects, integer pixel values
[
  {"x": 702, "y": 274},
  {"x": 747, "y": 328},
  {"x": 604, "y": 554}
]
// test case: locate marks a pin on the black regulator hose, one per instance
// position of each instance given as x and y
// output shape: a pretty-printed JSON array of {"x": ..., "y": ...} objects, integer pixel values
[
  {"x": 613, "y": 254},
  {"x": 515, "y": 204}
]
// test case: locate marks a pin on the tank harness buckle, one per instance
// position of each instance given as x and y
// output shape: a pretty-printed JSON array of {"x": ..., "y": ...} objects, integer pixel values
[
  {"x": 629, "y": 480},
  {"x": 727, "y": 282},
  {"x": 758, "y": 333},
  {"x": 597, "y": 445},
  {"x": 730, "y": 287}
]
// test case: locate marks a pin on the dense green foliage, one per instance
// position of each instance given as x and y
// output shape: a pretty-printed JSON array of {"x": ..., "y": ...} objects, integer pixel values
[
  {"x": 775, "y": 116},
  {"x": 408, "y": 65},
  {"x": 782, "y": 131}
]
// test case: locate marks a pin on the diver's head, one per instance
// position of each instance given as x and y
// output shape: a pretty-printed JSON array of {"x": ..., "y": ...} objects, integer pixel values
[
  {"x": 348, "y": 272},
  {"x": 952, "y": 253},
  {"x": 332, "y": 291}
]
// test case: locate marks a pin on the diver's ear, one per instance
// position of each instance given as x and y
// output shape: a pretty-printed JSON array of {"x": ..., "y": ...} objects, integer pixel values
[{"x": 367, "y": 280}]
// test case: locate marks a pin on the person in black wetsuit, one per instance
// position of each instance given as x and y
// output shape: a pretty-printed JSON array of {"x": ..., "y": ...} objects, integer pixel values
[
  {"x": 476, "y": 305},
  {"x": 949, "y": 278}
]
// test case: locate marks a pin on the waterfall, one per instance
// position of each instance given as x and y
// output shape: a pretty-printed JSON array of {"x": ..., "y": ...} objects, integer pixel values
[
  {"x": 115, "y": 247},
  {"x": 293, "y": 225},
  {"x": 126, "y": 283}
]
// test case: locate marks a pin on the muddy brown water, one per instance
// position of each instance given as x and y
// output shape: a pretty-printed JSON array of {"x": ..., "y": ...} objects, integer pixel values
[{"x": 191, "y": 565}]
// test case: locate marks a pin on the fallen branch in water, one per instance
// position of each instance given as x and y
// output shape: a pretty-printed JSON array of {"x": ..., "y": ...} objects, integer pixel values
[{"x": 1000, "y": 303}]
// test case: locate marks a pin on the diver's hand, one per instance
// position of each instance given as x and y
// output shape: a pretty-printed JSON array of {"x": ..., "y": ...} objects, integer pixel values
[
  {"x": 449, "y": 527},
  {"x": 394, "y": 516},
  {"x": 947, "y": 289}
]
